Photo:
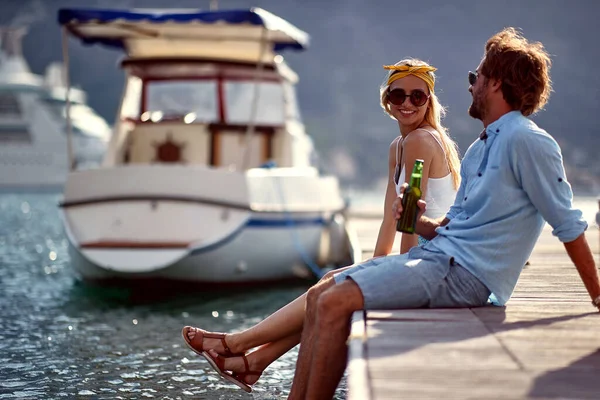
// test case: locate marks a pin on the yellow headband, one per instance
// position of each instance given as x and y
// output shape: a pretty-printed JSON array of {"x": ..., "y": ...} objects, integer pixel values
[{"x": 420, "y": 71}]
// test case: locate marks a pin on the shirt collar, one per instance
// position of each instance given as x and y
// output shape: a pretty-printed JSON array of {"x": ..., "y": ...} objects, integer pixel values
[{"x": 496, "y": 126}]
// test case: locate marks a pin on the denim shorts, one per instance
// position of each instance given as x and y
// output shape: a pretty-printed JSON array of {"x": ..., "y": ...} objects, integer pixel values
[{"x": 417, "y": 279}]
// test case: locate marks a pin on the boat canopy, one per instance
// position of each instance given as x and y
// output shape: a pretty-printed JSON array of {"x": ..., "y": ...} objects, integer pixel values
[{"x": 227, "y": 34}]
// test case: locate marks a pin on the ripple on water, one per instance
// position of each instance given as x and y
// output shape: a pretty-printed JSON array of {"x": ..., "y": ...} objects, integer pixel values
[{"x": 12, "y": 383}]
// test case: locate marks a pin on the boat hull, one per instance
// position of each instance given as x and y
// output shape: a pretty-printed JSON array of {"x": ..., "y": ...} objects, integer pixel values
[
  {"x": 120, "y": 229},
  {"x": 263, "y": 250}
]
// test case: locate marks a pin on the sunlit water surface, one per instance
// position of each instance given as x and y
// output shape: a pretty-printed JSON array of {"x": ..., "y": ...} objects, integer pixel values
[{"x": 60, "y": 338}]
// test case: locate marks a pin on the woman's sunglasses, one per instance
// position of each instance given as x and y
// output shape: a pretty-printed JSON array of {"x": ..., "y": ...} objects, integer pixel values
[
  {"x": 473, "y": 77},
  {"x": 398, "y": 96}
]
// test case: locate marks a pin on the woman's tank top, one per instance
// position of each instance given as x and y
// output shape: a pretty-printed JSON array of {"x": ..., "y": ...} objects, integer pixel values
[{"x": 440, "y": 193}]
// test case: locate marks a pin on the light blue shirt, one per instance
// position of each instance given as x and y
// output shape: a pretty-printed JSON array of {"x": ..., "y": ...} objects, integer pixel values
[{"x": 511, "y": 182}]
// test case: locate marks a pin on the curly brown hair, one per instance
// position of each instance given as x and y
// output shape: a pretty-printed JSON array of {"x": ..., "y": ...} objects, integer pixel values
[{"x": 522, "y": 67}]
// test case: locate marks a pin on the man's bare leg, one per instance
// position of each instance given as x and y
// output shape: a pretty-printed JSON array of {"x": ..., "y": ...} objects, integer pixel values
[
  {"x": 329, "y": 349},
  {"x": 303, "y": 363}
]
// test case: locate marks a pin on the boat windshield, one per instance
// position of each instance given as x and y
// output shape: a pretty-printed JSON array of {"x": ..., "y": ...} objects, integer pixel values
[
  {"x": 177, "y": 99},
  {"x": 238, "y": 102},
  {"x": 198, "y": 101}
]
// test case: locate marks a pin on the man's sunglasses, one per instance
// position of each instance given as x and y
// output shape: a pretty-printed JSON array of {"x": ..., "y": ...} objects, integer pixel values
[
  {"x": 473, "y": 77},
  {"x": 398, "y": 96}
]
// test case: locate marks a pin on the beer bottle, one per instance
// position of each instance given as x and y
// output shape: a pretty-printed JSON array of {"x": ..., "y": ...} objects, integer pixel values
[{"x": 412, "y": 194}]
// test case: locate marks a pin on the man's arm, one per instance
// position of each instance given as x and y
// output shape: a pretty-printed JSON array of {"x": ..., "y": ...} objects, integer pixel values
[
  {"x": 582, "y": 257},
  {"x": 426, "y": 226},
  {"x": 537, "y": 164}
]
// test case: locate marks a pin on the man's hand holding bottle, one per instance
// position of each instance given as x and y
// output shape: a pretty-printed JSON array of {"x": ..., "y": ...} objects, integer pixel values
[{"x": 397, "y": 205}]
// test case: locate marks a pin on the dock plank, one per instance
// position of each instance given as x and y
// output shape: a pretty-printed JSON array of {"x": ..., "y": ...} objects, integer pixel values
[{"x": 545, "y": 343}]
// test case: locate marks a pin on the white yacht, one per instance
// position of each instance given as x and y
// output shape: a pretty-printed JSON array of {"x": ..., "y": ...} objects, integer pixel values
[
  {"x": 33, "y": 140},
  {"x": 208, "y": 177}
]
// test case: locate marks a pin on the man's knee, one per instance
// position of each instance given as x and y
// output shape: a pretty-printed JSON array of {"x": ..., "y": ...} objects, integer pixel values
[{"x": 339, "y": 301}]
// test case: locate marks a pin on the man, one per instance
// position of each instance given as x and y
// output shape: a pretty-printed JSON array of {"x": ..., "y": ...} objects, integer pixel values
[{"x": 512, "y": 181}]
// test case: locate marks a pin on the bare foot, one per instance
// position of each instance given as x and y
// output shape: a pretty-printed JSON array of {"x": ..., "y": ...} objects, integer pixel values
[{"x": 245, "y": 368}]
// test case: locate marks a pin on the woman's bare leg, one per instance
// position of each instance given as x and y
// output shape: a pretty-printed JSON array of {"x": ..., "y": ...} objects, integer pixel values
[
  {"x": 259, "y": 359},
  {"x": 286, "y": 321}
]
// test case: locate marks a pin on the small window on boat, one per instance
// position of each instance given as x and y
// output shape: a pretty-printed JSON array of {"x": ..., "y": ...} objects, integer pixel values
[
  {"x": 239, "y": 96},
  {"x": 16, "y": 133},
  {"x": 188, "y": 100},
  {"x": 9, "y": 104}
]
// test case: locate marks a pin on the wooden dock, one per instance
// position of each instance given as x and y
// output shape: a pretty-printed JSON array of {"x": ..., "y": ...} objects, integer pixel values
[{"x": 544, "y": 344}]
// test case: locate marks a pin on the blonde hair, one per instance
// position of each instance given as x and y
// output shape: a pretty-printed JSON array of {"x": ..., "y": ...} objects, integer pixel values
[{"x": 433, "y": 116}]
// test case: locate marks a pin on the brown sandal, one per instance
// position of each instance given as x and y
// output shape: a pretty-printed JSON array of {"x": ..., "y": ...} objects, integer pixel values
[
  {"x": 242, "y": 376},
  {"x": 218, "y": 364},
  {"x": 196, "y": 344}
]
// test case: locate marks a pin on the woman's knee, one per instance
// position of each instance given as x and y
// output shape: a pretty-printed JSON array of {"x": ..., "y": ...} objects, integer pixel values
[
  {"x": 328, "y": 275},
  {"x": 312, "y": 296}
]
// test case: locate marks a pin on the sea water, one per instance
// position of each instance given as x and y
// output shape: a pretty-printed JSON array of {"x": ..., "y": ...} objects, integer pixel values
[{"x": 63, "y": 339}]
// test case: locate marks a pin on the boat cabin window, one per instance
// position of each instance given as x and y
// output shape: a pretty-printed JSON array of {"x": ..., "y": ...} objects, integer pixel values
[
  {"x": 194, "y": 101},
  {"x": 199, "y": 114},
  {"x": 197, "y": 101},
  {"x": 14, "y": 133},
  {"x": 239, "y": 96},
  {"x": 9, "y": 105}
]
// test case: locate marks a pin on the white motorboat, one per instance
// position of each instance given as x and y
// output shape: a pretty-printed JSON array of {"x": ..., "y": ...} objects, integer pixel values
[
  {"x": 33, "y": 140},
  {"x": 208, "y": 177}
]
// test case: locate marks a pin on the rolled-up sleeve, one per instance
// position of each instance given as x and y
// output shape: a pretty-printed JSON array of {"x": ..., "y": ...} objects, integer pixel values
[{"x": 538, "y": 165}]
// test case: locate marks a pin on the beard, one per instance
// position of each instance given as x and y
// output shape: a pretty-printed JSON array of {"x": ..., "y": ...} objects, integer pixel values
[
  {"x": 477, "y": 108},
  {"x": 474, "y": 111}
]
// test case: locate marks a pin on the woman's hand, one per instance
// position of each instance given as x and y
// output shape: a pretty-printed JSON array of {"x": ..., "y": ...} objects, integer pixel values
[{"x": 397, "y": 205}]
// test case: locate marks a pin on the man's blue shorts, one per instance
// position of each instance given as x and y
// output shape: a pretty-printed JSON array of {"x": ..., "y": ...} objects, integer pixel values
[{"x": 417, "y": 279}]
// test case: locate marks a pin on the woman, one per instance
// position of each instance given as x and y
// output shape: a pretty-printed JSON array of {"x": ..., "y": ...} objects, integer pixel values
[{"x": 407, "y": 95}]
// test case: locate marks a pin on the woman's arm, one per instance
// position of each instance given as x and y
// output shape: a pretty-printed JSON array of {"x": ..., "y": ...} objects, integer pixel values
[
  {"x": 417, "y": 145},
  {"x": 387, "y": 230}
]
